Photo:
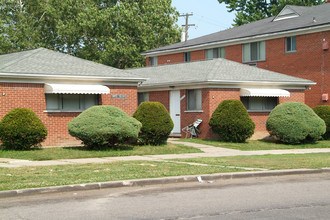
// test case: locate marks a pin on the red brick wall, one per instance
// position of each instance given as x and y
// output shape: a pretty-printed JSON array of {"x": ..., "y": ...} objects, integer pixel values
[
  {"x": 234, "y": 53},
  {"x": 211, "y": 98},
  {"x": 260, "y": 118},
  {"x": 309, "y": 62},
  {"x": 188, "y": 117},
  {"x": 198, "y": 55},
  {"x": 29, "y": 95},
  {"x": 128, "y": 104},
  {"x": 179, "y": 57},
  {"x": 162, "y": 97},
  {"x": 295, "y": 96},
  {"x": 216, "y": 96}
]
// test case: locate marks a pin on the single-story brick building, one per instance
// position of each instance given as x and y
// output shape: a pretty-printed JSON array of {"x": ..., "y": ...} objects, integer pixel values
[
  {"x": 57, "y": 87},
  {"x": 193, "y": 90}
]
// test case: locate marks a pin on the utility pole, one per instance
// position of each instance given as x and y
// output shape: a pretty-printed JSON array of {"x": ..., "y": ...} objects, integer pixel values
[{"x": 187, "y": 25}]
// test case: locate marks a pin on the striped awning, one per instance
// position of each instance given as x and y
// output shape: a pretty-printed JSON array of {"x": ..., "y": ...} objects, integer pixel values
[
  {"x": 264, "y": 92},
  {"x": 75, "y": 89}
]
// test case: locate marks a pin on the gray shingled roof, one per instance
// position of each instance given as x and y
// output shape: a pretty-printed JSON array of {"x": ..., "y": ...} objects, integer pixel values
[
  {"x": 47, "y": 62},
  {"x": 216, "y": 70},
  {"x": 261, "y": 27}
]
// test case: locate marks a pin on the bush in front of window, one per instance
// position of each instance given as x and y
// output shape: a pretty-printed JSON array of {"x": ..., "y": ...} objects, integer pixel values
[
  {"x": 231, "y": 121},
  {"x": 323, "y": 111},
  {"x": 21, "y": 129},
  {"x": 295, "y": 123},
  {"x": 156, "y": 123},
  {"x": 101, "y": 127}
]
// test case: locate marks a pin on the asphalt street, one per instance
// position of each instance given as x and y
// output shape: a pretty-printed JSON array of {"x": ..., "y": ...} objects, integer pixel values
[{"x": 285, "y": 197}]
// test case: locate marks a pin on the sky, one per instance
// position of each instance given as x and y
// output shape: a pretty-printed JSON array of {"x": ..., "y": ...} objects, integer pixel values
[{"x": 209, "y": 16}]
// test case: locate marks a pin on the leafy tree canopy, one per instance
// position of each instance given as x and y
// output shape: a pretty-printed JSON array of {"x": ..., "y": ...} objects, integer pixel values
[
  {"x": 252, "y": 10},
  {"x": 112, "y": 32}
]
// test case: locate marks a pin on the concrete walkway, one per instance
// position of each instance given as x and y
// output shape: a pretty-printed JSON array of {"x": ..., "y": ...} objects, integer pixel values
[{"x": 209, "y": 151}]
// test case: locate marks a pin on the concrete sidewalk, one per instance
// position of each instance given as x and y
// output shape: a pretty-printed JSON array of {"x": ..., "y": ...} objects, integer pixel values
[{"x": 209, "y": 151}]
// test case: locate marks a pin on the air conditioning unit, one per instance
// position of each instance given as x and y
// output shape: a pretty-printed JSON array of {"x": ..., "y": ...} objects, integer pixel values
[
  {"x": 325, "y": 97},
  {"x": 325, "y": 45}
]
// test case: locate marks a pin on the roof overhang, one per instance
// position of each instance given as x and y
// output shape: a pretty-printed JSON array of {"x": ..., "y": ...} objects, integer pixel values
[
  {"x": 241, "y": 40},
  {"x": 264, "y": 92},
  {"x": 223, "y": 84},
  {"x": 75, "y": 89},
  {"x": 74, "y": 79}
]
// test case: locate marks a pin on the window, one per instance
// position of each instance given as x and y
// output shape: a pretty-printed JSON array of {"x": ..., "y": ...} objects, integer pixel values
[
  {"x": 187, "y": 57},
  {"x": 143, "y": 97},
  {"x": 153, "y": 61},
  {"x": 76, "y": 102},
  {"x": 259, "y": 103},
  {"x": 194, "y": 99},
  {"x": 291, "y": 44},
  {"x": 215, "y": 53},
  {"x": 254, "y": 51}
]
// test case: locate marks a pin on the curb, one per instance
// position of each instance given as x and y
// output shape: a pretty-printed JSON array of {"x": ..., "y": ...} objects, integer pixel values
[{"x": 157, "y": 181}]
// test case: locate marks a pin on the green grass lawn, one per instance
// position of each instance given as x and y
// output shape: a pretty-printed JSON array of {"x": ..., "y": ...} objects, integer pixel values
[
  {"x": 271, "y": 162},
  {"x": 81, "y": 152},
  {"x": 257, "y": 144},
  {"x": 31, "y": 177}
]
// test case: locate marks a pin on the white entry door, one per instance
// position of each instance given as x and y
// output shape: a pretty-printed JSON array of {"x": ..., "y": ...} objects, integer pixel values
[{"x": 175, "y": 111}]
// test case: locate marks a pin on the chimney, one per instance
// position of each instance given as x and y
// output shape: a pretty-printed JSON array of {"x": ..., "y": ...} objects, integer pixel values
[{"x": 183, "y": 36}]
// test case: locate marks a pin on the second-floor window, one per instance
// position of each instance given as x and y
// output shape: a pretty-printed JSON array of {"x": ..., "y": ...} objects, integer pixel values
[
  {"x": 187, "y": 57},
  {"x": 255, "y": 51},
  {"x": 153, "y": 61},
  {"x": 215, "y": 53},
  {"x": 290, "y": 44}
]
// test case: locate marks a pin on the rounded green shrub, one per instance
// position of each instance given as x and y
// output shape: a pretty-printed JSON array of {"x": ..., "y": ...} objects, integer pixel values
[
  {"x": 323, "y": 111},
  {"x": 21, "y": 129},
  {"x": 295, "y": 123},
  {"x": 231, "y": 121},
  {"x": 156, "y": 123},
  {"x": 101, "y": 127}
]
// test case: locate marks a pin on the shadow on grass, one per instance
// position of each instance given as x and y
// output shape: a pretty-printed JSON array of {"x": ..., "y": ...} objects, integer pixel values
[
  {"x": 31, "y": 149},
  {"x": 115, "y": 148}
]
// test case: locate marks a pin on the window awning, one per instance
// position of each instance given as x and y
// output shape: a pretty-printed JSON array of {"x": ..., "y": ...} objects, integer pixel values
[
  {"x": 75, "y": 89},
  {"x": 265, "y": 92}
]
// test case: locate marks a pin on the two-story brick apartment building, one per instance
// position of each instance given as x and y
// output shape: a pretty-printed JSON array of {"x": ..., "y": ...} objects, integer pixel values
[{"x": 295, "y": 42}]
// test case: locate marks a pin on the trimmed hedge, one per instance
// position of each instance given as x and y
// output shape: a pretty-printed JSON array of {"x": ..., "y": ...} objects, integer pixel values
[
  {"x": 21, "y": 129},
  {"x": 232, "y": 122},
  {"x": 156, "y": 123},
  {"x": 295, "y": 123},
  {"x": 101, "y": 127},
  {"x": 323, "y": 111}
]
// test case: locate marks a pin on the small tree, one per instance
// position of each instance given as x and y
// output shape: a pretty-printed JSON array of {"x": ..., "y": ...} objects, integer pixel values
[
  {"x": 231, "y": 121},
  {"x": 21, "y": 129},
  {"x": 104, "y": 126},
  {"x": 295, "y": 123},
  {"x": 156, "y": 123},
  {"x": 323, "y": 111}
]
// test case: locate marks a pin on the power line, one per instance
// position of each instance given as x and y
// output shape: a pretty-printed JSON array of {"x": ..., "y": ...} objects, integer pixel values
[
  {"x": 211, "y": 21},
  {"x": 187, "y": 25}
]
